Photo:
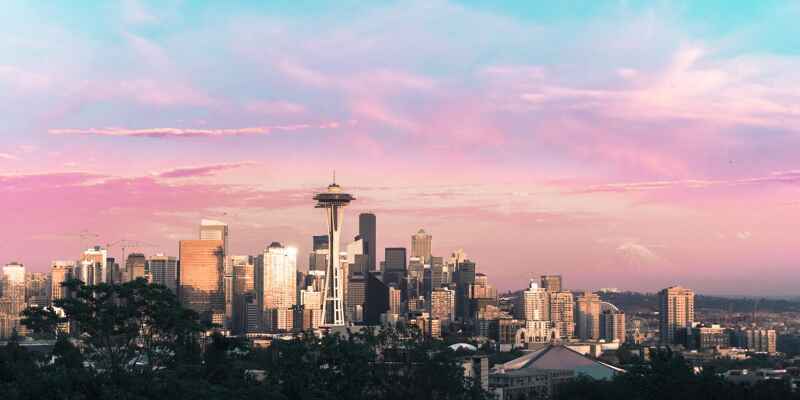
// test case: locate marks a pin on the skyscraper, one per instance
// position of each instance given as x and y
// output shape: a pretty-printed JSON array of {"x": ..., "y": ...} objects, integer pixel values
[
  {"x": 217, "y": 230},
  {"x": 443, "y": 304},
  {"x": 13, "y": 285},
  {"x": 135, "y": 267},
  {"x": 12, "y": 301},
  {"x": 395, "y": 301},
  {"x": 676, "y": 311},
  {"x": 59, "y": 273},
  {"x": 612, "y": 325},
  {"x": 464, "y": 276},
  {"x": 481, "y": 295},
  {"x": 201, "y": 277},
  {"x": 421, "y": 246},
  {"x": 562, "y": 313},
  {"x": 279, "y": 286},
  {"x": 368, "y": 233},
  {"x": 533, "y": 304},
  {"x": 377, "y": 300},
  {"x": 94, "y": 268},
  {"x": 394, "y": 265},
  {"x": 587, "y": 316},
  {"x": 37, "y": 289},
  {"x": 318, "y": 259},
  {"x": 333, "y": 202},
  {"x": 163, "y": 271},
  {"x": 551, "y": 283}
]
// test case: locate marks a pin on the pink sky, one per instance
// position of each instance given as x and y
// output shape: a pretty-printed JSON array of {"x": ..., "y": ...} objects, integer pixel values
[{"x": 635, "y": 152}]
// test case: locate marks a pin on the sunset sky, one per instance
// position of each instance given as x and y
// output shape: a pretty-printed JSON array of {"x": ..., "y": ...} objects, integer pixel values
[{"x": 622, "y": 144}]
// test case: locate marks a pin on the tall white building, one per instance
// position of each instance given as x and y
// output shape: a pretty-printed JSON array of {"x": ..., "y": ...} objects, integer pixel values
[
  {"x": 94, "y": 268},
  {"x": 14, "y": 273},
  {"x": 533, "y": 304},
  {"x": 279, "y": 285}
]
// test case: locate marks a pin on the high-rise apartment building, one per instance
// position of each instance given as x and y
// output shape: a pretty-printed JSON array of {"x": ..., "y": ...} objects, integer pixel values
[
  {"x": 37, "y": 289},
  {"x": 311, "y": 300},
  {"x": 163, "y": 270},
  {"x": 202, "y": 269},
  {"x": 135, "y": 267},
  {"x": 443, "y": 304},
  {"x": 279, "y": 285},
  {"x": 562, "y": 313},
  {"x": 60, "y": 272},
  {"x": 761, "y": 340},
  {"x": 421, "y": 246},
  {"x": 368, "y": 234},
  {"x": 587, "y": 316},
  {"x": 395, "y": 300},
  {"x": 551, "y": 283},
  {"x": 676, "y": 311},
  {"x": 533, "y": 304},
  {"x": 612, "y": 325}
]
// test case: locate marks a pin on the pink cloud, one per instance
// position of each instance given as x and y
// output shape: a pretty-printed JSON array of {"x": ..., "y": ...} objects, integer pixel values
[
  {"x": 201, "y": 171},
  {"x": 274, "y": 107},
  {"x": 165, "y": 133}
]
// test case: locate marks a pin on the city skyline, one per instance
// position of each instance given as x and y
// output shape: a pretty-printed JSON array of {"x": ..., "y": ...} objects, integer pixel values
[{"x": 671, "y": 159}]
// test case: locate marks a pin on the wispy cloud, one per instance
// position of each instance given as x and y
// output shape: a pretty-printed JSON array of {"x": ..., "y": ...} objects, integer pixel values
[
  {"x": 201, "y": 171},
  {"x": 167, "y": 133},
  {"x": 788, "y": 177}
]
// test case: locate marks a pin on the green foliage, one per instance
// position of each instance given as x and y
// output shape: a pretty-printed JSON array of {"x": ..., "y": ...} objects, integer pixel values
[
  {"x": 668, "y": 376},
  {"x": 135, "y": 341}
]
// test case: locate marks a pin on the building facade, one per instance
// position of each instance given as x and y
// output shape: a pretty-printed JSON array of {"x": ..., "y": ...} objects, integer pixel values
[{"x": 676, "y": 311}]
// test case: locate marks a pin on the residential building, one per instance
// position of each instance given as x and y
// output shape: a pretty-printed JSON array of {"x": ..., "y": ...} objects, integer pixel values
[
  {"x": 587, "y": 316},
  {"x": 676, "y": 311}
]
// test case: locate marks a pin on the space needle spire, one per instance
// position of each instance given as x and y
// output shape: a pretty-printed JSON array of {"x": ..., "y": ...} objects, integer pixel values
[{"x": 333, "y": 201}]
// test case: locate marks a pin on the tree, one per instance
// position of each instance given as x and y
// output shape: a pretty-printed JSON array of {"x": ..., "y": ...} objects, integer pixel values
[{"x": 122, "y": 327}]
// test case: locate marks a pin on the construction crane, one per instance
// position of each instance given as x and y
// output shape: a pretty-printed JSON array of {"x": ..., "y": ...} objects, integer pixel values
[
  {"x": 125, "y": 244},
  {"x": 83, "y": 235}
]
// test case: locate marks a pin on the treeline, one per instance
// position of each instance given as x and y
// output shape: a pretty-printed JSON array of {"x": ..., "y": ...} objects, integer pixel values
[
  {"x": 632, "y": 302},
  {"x": 667, "y": 376},
  {"x": 135, "y": 341}
]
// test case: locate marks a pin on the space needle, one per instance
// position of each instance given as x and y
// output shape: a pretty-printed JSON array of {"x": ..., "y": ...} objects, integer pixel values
[{"x": 333, "y": 200}]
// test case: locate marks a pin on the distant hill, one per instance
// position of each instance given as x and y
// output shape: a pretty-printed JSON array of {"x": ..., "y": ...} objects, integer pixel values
[{"x": 635, "y": 302}]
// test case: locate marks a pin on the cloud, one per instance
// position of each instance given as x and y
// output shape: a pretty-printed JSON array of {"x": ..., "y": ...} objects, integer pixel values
[
  {"x": 744, "y": 235},
  {"x": 7, "y": 156},
  {"x": 274, "y": 107},
  {"x": 135, "y": 13},
  {"x": 22, "y": 79},
  {"x": 201, "y": 171},
  {"x": 167, "y": 133},
  {"x": 777, "y": 177}
]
